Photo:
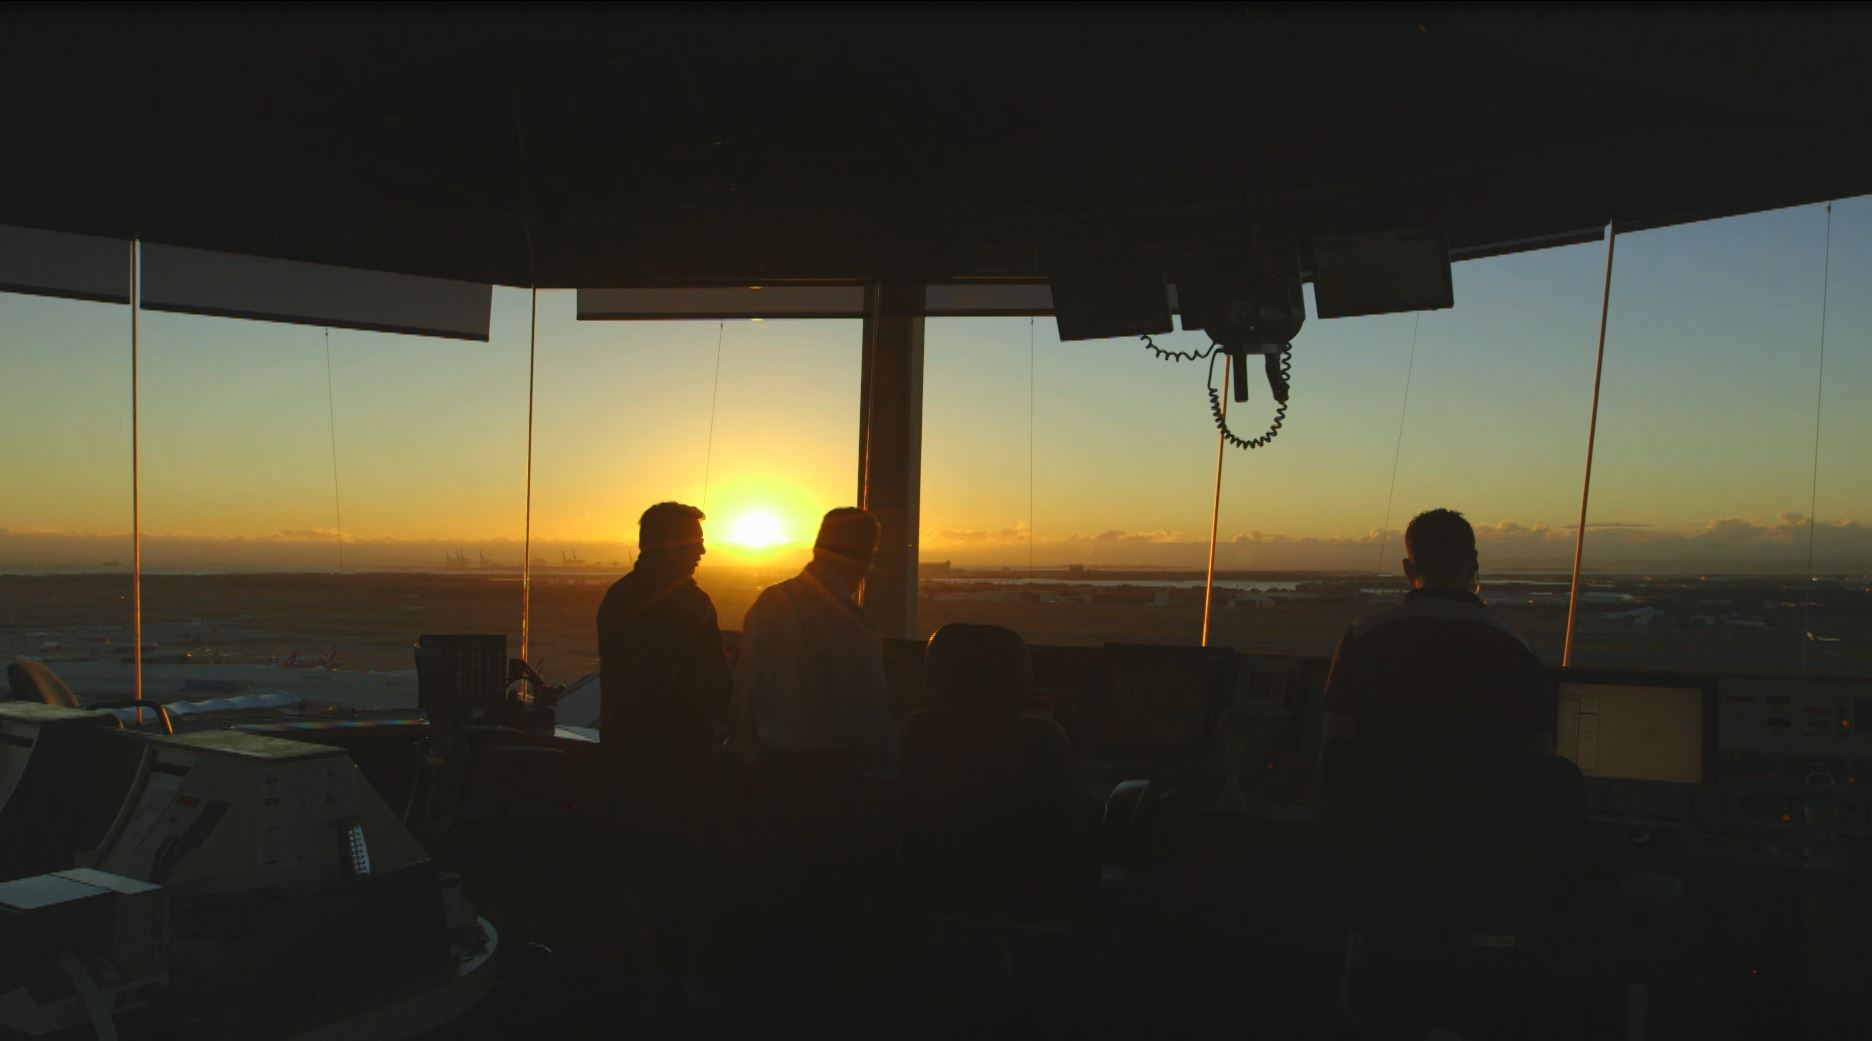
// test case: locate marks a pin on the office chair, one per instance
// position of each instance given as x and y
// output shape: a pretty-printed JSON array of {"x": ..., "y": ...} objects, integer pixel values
[
  {"x": 992, "y": 831},
  {"x": 32, "y": 681},
  {"x": 1453, "y": 850}
]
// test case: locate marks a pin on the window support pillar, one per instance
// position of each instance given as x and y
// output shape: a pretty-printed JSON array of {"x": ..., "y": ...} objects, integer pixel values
[{"x": 890, "y": 452}]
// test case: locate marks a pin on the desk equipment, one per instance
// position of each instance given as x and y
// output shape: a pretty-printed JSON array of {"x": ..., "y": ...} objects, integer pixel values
[
  {"x": 227, "y": 884},
  {"x": 48, "y": 786},
  {"x": 1638, "y": 726},
  {"x": 1159, "y": 704}
]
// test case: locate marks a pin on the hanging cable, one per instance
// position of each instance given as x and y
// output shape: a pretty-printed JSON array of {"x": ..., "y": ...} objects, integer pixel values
[
  {"x": 1592, "y": 436},
  {"x": 1217, "y": 410},
  {"x": 1030, "y": 445},
  {"x": 136, "y": 490},
  {"x": 526, "y": 532},
  {"x": 331, "y": 416},
  {"x": 1813, "y": 500},
  {"x": 1169, "y": 355},
  {"x": 708, "y": 458},
  {"x": 1397, "y": 453},
  {"x": 1215, "y": 510}
]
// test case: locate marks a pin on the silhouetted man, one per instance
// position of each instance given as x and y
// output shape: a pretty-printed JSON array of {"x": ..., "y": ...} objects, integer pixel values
[
  {"x": 1440, "y": 664},
  {"x": 664, "y": 681},
  {"x": 662, "y": 676},
  {"x": 809, "y": 671}
]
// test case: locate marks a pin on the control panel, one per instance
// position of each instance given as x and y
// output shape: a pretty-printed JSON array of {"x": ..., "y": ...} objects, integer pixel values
[{"x": 1794, "y": 752}]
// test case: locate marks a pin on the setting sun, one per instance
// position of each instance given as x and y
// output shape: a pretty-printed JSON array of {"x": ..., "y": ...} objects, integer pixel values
[{"x": 755, "y": 529}]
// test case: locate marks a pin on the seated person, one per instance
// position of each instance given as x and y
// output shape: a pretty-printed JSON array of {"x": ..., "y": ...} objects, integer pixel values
[
  {"x": 987, "y": 790},
  {"x": 1440, "y": 658},
  {"x": 1435, "y": 710}
]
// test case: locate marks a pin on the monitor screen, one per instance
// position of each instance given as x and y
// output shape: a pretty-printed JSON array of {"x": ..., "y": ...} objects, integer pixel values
[
  {"x": 1633, "y": 731},
  {"x": 1159, "y": 697}
]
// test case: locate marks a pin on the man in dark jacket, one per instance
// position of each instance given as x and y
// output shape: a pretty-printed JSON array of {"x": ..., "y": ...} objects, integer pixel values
[
  {"x": 663, "y": 684},
  {"x": 1441, "y": 660},
  {"x": 662, "y": 675}
]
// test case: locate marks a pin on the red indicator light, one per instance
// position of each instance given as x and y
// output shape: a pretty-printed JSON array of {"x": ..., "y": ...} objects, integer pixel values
[
  {"x": 185, "y": 801},
  {"x": 1846, "y": 723},
  {"x": 1786, "y": 818}
]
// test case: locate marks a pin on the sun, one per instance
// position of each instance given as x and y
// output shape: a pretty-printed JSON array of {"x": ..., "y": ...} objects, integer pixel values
[{"x": 755, "y": 529}]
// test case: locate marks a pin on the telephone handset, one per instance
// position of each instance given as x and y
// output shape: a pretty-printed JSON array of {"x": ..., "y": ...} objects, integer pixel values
[{"x": 1248, "y": 305}]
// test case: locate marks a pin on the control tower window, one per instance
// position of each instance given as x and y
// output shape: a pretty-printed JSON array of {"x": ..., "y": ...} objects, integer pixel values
[
  {"x": 314, "y": 499},
  {"x": 754, "y": 422},
  {"x": 64, "y": 479},
  {"x": 1713, "y": 542}
]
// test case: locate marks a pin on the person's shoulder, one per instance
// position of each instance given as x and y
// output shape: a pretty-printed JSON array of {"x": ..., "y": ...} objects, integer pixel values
[
  {"x": 1435, "y": 610},
  {"x": 1043, "y": 731},
  {"x": 772, "y": 599},
  {"x": 691, "y": 595},
  {"x": 618, "y": 595}
]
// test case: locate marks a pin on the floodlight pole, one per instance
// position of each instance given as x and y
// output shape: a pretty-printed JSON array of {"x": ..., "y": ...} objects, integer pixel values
[
  {"x": 1592, "y": 433},
  {"x": 526, "y": 536},
  {"x": 136, "y": 491}
]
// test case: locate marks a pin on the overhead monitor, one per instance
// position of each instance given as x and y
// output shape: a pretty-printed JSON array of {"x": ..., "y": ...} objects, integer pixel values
[
  {"x": 1637, "y": 727},
  {"x": 1382, "y": 274},
  {"x": 1099, "y": 303},
  {"x": 201, "y": 281}
]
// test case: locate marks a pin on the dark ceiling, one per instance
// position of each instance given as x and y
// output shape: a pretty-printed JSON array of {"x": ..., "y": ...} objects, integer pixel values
[{"x": 591, "y": 146}]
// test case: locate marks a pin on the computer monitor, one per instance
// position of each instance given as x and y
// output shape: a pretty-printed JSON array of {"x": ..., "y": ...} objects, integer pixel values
[
  {"x": 1637, "y": 726},
  {"x": 1160, "y": 698}
]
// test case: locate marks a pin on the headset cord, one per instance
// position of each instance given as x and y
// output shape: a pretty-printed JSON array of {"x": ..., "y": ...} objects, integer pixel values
[
  {"x": 1151, "y": 345},
  {"x": 1280, "y": 409}
]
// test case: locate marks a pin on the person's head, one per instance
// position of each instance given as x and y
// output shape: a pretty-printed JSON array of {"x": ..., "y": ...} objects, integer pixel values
[
  {"x": 1440, "y": 551},
  {"x": 847, "y": 543},
  {"x": 980, "y": 670},
  {"x": 669, "y": 535}
]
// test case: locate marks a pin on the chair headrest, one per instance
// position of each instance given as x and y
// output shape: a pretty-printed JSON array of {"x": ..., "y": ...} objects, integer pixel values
[
  {"x": 32, "y": 681},
  {"x": 980, "y": 668}
]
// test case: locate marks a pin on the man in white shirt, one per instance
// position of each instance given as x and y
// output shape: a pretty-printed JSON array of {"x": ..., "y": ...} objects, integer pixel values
[{"x": 809, "y": 671}]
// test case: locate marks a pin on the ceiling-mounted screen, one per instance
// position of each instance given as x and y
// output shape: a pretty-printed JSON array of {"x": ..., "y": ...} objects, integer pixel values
[
  {"x": 1381, "y": 274},
  {"x": 783, "y": 300},
  {"x": 54, "y": 263},
  {"x": 199, "y": 281}
]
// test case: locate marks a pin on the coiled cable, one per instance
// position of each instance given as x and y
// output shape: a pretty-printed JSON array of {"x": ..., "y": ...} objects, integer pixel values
[
  {"x": 1280, "y": 408},
  {"x": 1151, "y": 345}
]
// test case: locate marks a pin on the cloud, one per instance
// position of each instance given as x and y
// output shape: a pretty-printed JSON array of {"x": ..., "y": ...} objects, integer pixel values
[
  {"x": 1139, "y": 537},
  {"x": 1722, "y": 544},
  {"x": 1018, "y": 533}
]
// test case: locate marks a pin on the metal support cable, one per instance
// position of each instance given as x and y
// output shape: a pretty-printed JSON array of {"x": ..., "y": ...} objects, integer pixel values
[
  {"x": 1215, "y": 511},
  {"x": 708, "y": 458},
  {"x": 331, "y": 416},
  {"x": 1592, "y": 434},
  {"x": 1397, "y": 452},
  {"x": 1813, "y": 501}
]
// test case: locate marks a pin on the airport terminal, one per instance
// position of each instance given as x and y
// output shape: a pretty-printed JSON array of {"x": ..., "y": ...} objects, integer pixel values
[{"x": 812, "y": 520}]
